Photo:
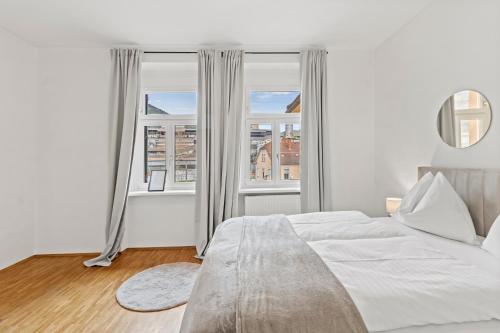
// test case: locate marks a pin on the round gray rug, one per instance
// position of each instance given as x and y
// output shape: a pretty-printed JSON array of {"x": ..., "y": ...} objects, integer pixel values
[{"x": 158, "y": 288}]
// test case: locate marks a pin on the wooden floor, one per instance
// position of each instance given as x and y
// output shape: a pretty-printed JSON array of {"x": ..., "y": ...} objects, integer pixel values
[{"x": 59, "y": 294}]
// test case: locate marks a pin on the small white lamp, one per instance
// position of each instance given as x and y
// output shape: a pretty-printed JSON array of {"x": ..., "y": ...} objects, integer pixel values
[{"x": 392, "y": 205}]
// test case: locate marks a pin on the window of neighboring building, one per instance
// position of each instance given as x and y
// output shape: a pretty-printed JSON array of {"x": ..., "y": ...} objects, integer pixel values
[
  {"x": 185, "y": 153},
  {"x": 155, "y": 152},
  {"x": 261, "y": 137},
  {"x": 286, "y": 174},
  {"x": 272, "y": 119},
  {"x": 168, "y": 119}
]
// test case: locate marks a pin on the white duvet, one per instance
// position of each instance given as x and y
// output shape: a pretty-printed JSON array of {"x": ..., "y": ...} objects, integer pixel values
[{"x": 397, "y": 278}]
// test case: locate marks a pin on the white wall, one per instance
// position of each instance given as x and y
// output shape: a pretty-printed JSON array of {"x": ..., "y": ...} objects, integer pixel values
[
  {"x": 156, "y": 220},
  {"x": 350, "y": 105},
  {"x": 258, "y": 205},
  {"x": 382, "y": 108},
  {"x": 73, "y": 146},
  {"x": 18, "y": 108},
  {"x": 71, "y": 164},
  {"x": 73, "y": 152},
  {"x": 350, "y": 98},
  {"x": 452, "y": 45},
  {"x": 168, "y": 220},
  {"x": 72, "y": 143},
  {"x": 160, "y": 220}
]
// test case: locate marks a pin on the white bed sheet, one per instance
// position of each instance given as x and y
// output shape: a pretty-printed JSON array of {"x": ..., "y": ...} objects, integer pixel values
[
  {"x": 489, "y": 326},
  {"x": 403, "y": 280}
]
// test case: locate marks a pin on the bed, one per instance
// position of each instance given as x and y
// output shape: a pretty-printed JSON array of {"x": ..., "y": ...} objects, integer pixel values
[{"x": 395, "y": 278}]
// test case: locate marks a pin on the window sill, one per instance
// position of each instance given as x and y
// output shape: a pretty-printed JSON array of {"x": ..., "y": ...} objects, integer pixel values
[
  {"x": 164, "y": 193},
  {"x": 269, "y": 190}
]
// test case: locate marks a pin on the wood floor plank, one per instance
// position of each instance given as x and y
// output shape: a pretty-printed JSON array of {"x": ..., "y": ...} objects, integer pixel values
[{"x": 59, "y": 294}]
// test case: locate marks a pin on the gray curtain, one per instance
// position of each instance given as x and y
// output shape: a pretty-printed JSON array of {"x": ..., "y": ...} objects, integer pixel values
[
  {"x": 124, "y": 103},
  {"x": 220, "y": 108},
  {"x": 446, "y": 122},
  {"x": 315, "y": 174}
]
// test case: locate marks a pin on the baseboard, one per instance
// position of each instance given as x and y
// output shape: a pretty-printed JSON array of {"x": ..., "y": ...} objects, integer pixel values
[
  {"x": 16, "y": 263},
  {"x": 72, "y": 254},
  {"x": 77, "y": 254},
  {"x": 80, "y": 254},
  {"x": 189, "y": 247}
]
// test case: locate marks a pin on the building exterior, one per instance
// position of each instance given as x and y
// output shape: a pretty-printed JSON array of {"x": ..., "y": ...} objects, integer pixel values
[
  {"x": 289, "y": 160},
  {"x": 151, "y": 109},
  {"x": 155, "y": 148},
  {"x": 294, "y": 107},
  {"x": 289, "y": 151},
  {"x": 259, "y": 138},
  {"x": 185, "y": 153},
  {"x": 264, "y": 162}
]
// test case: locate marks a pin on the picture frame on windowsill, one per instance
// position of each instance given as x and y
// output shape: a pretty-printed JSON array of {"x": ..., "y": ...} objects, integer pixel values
[{"x": 157, "y": 181}]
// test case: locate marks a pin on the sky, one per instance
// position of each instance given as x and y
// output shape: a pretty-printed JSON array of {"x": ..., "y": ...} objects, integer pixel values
[
  {"x": 185, "y": 102},
  {"x": 174, "y": 102},
  {"x": 271, "y": 101}
]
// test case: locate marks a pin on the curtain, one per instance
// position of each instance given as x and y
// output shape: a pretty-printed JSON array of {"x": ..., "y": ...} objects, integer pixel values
[
  {"x": 315, "y": 174},
  {"x": 446, "y": 122},
  {"x": 124, "y": 103},
  {"x": 220, "y": 107}
]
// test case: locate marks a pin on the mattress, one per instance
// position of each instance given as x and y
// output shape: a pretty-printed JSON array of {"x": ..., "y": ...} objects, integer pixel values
[{"x": 403, "y": 280}]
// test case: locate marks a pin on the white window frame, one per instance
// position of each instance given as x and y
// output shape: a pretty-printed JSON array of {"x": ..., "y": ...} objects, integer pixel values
[
  {"x": 275, "y": 120},
  {"x": 481, "y": 113},
  {"x": 169, "y": 122}
]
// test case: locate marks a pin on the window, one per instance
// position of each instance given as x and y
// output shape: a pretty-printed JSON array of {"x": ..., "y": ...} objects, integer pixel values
[
  {"x": 168, "y": 119},
  {"x": 155, "y": 153},
  {"x": 468, "y": 100},
  {"x": 472, "y": 116},
  {"x": 290, "y": 151},
  {"x": 464, "y": 133},
  {"x": 261, "y": 150},
  {"x": 272, "y": 144},
  {"x": 170, "y": 103},
  {"x": 286, "y": 174},
  {"x": 185, "y": 153},
  {"x": 470, "y": 129}
]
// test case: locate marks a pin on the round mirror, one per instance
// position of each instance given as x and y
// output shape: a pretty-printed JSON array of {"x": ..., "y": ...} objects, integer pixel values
[{"x": 464, "y": 119}]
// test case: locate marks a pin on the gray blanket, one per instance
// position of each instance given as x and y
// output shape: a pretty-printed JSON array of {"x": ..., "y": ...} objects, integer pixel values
[{"x": 259, "y": 276}]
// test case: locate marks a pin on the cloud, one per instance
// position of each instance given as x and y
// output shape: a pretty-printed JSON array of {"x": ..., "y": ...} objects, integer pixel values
[
  {"x": 282, "y": 92},
  {"x": 267, "y": 95}
]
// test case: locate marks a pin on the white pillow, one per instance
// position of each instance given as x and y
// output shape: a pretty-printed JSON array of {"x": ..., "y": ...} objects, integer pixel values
[
  {"x": 415, "y": 194},
  {"x": 442, "y": 212},
  {"x": 492, "y": 241}
]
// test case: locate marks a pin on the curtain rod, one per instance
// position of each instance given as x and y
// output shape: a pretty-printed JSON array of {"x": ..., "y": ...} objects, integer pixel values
[
  {"x": 194, "y": 52},
  {"x": 171, "y": 52}
]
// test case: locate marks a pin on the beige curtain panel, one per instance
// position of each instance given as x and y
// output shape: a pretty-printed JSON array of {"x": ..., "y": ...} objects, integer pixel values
[
  {"x": 124, "y": 105},
  {"x": 446, "y": 122},
  {"x": 315, "y": 173},
  {"x": 220, "y": 108}
]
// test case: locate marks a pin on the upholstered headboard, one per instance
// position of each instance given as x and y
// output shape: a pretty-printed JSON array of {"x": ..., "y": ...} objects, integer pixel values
[{"x": 479, "y": 189}]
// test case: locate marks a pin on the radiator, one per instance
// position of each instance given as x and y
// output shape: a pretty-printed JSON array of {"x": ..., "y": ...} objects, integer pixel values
[{"x": 272, "y": 204}]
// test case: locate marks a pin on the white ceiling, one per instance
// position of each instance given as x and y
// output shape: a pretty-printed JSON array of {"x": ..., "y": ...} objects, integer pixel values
[{"x": 189, "y": 23}]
